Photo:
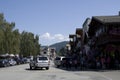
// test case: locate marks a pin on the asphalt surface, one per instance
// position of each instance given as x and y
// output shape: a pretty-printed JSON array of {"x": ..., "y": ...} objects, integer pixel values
[{"x": 22, "y": 72}]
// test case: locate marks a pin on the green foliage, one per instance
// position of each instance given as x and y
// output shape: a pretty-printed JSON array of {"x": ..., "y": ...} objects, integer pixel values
[
  {"x": 29, "y": 44},
  {"x": 62, "y": 51},
  {"x": 12, "y": 42}
]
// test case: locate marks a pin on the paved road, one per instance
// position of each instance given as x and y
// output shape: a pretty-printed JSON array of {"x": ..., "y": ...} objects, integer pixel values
[{"x": 22, "y": 72}]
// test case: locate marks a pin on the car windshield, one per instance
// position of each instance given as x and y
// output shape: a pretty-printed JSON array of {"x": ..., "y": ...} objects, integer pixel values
[{"x": 43, "y": 58}]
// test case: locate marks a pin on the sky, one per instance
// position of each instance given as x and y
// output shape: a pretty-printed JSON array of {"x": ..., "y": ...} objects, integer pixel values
[{"x": 54, "y": 20}]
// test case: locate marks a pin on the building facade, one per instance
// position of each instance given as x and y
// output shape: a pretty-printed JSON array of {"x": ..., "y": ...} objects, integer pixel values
[
  {"x": 85, "y": 37},
  {"x": 104, "y": 37}
]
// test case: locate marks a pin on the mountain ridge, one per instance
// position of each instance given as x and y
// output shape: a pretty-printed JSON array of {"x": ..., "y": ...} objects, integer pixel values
[{"x": 59, "y": 45}]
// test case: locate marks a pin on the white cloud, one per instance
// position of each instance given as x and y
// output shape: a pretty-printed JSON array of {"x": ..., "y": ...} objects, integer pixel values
[
  {"x": 59, "y": 36},
  {"x": 47, "y": 38}
]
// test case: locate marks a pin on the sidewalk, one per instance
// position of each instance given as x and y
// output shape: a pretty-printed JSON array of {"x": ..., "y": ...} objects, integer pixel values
[{"x": 112, "y": 74}]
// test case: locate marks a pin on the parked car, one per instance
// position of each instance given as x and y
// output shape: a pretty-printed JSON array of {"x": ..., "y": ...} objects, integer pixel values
[
  {"x": 67, "y": 62},
  {"x": 24, "y": 61},
  {"x": 21, "y": 60},
  {"x": 58, "y": 61},
  {"x": 12, "y": 62},
  {"x": 39, "y": 62},
  {"x": 4, "y": 63},
  {"x": 18, "y": 60},
  {"x": 29, "y": 58}
]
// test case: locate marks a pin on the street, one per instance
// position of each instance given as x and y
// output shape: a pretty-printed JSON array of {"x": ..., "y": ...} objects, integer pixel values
[{"x": 22, "y": 72}]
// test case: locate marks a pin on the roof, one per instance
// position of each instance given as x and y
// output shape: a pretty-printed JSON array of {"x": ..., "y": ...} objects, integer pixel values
[
  {"x": 107, "y": 19},
  {"x": 97, "y": 21},
  {"x": 79, "y": 31},
  {"x": 72, "y": 35}
]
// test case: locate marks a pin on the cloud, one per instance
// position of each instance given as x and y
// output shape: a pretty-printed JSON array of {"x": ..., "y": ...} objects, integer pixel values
[
  {"x": 59, "y": 36},
  {"x": 47, "y": 38}
]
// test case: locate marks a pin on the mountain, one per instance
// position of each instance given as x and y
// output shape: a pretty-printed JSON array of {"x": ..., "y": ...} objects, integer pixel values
[{"x": 59, "y": 45}]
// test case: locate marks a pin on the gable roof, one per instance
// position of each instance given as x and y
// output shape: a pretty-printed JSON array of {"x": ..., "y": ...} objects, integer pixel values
[{"x": 107, "y": 19}]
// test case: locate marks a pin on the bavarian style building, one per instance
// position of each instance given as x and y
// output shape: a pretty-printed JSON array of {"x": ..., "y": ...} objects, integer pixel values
[{"x": 104, "y": 37}]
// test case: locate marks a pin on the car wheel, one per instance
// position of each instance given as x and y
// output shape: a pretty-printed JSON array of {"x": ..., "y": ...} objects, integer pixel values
[
  {"x": 31, "y": 67},
  {"x": 47, "y": 68},
  {"x": 5, "y": 65},
  {"x": 58, "y": 66}
]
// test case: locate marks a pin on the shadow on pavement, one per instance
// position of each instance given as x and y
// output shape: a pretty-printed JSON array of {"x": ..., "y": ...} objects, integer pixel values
[
  {"x": 37, "y": 69},
  {"x": 85, "y": 69}
]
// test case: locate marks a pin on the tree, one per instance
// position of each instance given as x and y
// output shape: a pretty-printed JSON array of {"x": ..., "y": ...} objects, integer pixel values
[
  {"x": 16, "y": 41},
  {"x": 6, "y": 35},
  {"x": 29, "y": 44},
  {"x": 62, "y": 51},
  {"x": 12, "y": 42},
  {"x": 2, "y": 50}
]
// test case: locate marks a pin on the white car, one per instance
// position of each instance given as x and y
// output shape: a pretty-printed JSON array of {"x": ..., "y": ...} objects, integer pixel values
[
  {"x": 58, "y": 61},
  {"x": 12, "y": 62},
  {"x": 39, "y": 62}
]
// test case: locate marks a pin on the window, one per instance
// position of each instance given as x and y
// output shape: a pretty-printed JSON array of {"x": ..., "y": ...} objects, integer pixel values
[{"x": 43, "y": 58}]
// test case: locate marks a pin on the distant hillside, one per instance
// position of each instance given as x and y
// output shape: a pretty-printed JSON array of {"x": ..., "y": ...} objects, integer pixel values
[
  {"x": 59, "y": 45},
  {"x": 43, "y": 46}
]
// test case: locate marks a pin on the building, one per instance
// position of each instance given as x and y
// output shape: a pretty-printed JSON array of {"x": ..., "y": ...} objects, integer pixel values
[
  {"x": 104, "y": 35},
  {"x": 97, "y": 41},
  {"x": 78, "y": 42},
  {"x": 75, "y": 43},
  {"x": 85, "y": 36},
  {"x": 72, "y": 38},
  {"x": 49, "y": 52}
]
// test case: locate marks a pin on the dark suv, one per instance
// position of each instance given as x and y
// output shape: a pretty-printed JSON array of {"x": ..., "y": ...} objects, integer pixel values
[
  {"x": 4, "y": 63},
  {"x": 67, "y": 62}
]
